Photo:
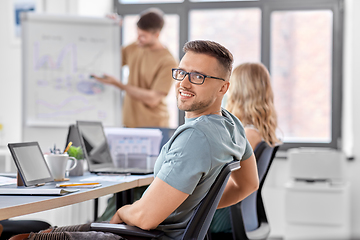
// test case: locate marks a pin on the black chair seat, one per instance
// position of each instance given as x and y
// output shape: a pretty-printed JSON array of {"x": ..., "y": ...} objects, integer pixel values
[
  {"x": 126, "y": 231},
  {"x": 14, "y": 227}
]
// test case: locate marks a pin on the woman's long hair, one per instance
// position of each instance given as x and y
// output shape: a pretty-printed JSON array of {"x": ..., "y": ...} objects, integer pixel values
[{"x": 251, "y": 99}]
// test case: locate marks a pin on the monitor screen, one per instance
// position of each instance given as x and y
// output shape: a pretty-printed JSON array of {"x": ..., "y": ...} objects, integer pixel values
[
  {"x": 30, "y": 162},
  {"x": 94, "y": 142}
]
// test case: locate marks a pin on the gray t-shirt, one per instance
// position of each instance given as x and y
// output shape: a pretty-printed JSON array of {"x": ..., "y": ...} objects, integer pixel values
[{"x": 191, "y": 160}]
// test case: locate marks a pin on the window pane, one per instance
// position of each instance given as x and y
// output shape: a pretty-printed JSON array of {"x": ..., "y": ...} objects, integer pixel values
[
  {"x": 169, "y": 36},
  {"x": 236, "y": 29},
  {"x": 301, "y": 53}
]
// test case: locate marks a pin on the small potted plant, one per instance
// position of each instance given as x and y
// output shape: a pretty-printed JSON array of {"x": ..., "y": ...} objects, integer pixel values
[{"x": 77, "y": 153}]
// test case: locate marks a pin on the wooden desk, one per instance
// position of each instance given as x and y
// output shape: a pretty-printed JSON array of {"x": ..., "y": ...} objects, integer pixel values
[{"x": 12, "y": 206}]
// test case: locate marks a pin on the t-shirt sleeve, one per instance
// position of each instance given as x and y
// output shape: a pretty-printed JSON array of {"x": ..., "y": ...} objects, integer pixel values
[
  {"x": 187, "y": 160},
  {"x": 248, "y": 151},
  {"x": 163, "y": 80}
]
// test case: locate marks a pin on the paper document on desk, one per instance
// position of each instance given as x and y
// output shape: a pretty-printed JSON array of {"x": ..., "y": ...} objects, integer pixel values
[
  {"x": 134, "y": 140},
  {"x": 36, "y": 191},
  {"x": 7, "y": 181},
  {"x": 105, "y": 179}
]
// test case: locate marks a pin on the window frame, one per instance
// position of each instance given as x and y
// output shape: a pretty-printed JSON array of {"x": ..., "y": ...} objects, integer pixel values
[{"x": 267, "y": 7}]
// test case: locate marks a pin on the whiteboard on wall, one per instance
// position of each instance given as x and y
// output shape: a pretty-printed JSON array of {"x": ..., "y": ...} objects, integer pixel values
[{"x": 59, "y": 55}]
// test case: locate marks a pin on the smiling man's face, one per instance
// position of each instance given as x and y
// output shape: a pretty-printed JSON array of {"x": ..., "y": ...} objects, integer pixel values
[{"x": 197, "y": 100}]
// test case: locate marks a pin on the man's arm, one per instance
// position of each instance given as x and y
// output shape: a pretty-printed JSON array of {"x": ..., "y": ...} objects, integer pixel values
[
  {"x": 159, "y": 201},
  {"x": 149, "y": 97},
  {"x": 241, "y": 184}
]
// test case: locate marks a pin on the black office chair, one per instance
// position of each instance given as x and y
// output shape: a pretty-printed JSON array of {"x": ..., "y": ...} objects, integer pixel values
[
  {"x": 14, "y": 227},
  {"x": 248, "y": 217},
  {"x": 199, "y": 223}
]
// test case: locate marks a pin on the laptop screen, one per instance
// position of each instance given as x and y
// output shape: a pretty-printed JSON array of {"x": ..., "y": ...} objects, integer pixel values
[
  {"x": 94, "y": 144},
  {"x": 30, "y": 162}
]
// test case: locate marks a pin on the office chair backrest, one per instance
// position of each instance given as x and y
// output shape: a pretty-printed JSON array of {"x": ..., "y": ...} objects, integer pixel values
[
  {"x": 249, "y": 215},
  {"x": 264, "y": 156},
  {"x": 167, "y": 134},
  {"x": 200, "y": 221}
]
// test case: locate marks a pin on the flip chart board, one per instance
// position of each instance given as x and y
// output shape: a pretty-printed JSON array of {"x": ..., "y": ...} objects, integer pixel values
[{"x": 59, "y": 55}]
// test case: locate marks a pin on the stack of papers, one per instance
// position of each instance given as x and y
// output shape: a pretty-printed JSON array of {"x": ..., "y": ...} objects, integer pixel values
[
  {"x": 35, "y": 191},
  {"x": 134, "y": 140}
]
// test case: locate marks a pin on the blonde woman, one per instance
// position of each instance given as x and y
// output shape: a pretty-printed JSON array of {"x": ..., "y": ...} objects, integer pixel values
[{"x": 251, "y": 99}]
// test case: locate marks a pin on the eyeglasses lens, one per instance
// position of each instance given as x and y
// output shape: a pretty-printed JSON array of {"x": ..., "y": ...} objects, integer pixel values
[{"x": 194, "y": 77}]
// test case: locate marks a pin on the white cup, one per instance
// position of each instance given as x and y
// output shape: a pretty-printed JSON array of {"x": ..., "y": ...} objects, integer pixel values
[{"x": 57, "y": 164}]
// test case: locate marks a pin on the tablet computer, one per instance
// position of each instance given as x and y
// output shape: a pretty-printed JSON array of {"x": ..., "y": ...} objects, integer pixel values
[{"x": 30, "y": 163}]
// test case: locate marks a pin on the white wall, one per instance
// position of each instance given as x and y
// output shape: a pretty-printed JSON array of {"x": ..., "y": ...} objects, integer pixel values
[
  {"x": 11, "y": 98},
  {"x": 94, "y": 7},
  {"x": 352, "y": 89},
  {"x": 10, "y": 69}
]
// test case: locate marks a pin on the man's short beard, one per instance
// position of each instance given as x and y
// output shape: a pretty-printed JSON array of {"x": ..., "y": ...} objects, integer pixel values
[{"x": 195, "y": 106}]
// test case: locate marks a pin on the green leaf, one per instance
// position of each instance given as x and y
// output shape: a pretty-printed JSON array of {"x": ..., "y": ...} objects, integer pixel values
[{"x": 76, "y": 152}]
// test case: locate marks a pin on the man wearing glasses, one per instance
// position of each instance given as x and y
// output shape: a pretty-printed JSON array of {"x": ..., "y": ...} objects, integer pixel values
[{"x": 191, "y": 160}]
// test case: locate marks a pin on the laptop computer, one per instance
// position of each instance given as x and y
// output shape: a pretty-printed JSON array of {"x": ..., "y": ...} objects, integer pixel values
[
  {"x": 73, "y": 136},
  {"x": 97, "y": 152},
  {"x": 30, "y": 163}
]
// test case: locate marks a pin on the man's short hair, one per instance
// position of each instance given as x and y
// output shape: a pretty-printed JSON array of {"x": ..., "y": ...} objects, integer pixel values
[
  {"x": 151, "y": 20},
  {"x": 214, "y": 49}
]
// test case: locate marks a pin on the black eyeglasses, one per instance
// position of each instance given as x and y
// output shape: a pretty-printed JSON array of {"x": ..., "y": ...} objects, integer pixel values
[{"x": 195, "y": 78}]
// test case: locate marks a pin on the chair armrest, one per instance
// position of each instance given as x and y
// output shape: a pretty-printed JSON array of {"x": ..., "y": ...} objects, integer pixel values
[{"x": 123, "y": 229}]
